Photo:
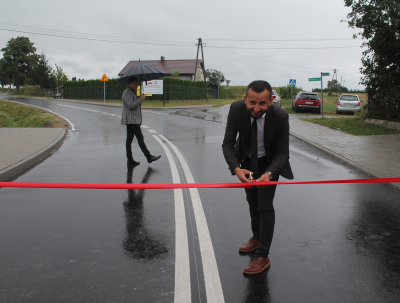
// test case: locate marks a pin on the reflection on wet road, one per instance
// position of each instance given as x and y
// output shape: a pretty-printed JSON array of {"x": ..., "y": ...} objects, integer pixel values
[{"x": 139, "y": 243}]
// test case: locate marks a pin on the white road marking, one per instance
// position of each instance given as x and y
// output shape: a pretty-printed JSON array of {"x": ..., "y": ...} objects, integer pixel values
[
  {"x": 152, "y": 131},
  {"x": 211, "y": 275},
  {"x": 70, "y": 123},
  {"x": 182, "y": 266},
  {"x": 150, "y": 111},
  {"x": 145, "y": 126}
]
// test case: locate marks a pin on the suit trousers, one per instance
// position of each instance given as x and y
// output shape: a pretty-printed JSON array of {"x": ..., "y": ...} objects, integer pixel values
[
  {"x": 133, "y": 130},
  {"x": 261, "y": 208}
]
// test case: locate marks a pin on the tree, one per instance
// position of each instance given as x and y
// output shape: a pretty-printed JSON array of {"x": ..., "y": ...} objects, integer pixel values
[
  {"x": 60, "y": 76},
  {"x": 212, "y": 77},
  {"x": 43, "y": 73},
  {"x": 19, "y": 59},
  {"x": 175, "y": 73},
  {"x": 284, "y": 91},
  {"x": 4, "y": 78},
  {"x": 380, "y": 24}
]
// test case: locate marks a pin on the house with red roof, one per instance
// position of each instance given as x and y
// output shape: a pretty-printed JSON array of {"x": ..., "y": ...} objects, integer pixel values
[{"x": 187, "y": 68}]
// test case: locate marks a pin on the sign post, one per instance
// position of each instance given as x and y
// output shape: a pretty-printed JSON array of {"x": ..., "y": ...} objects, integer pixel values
[
  {"x": 322, "y": 93},
  {"x": 292, "y": 82},
  {"x": 322, "y": 90},
  {"x": 104, "y": 79}
]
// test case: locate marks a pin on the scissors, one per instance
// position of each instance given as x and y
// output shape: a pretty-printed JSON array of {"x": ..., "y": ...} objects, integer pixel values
[{"x": 251, "y": 177}]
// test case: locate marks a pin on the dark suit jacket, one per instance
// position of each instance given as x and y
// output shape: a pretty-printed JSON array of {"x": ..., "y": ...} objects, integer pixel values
[{"x": 276, "y": 138}]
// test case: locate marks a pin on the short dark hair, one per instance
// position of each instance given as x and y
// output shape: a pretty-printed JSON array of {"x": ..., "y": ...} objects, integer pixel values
[
  {"x": 259, "y": 86},
  {"x": 131, "y": 79}
]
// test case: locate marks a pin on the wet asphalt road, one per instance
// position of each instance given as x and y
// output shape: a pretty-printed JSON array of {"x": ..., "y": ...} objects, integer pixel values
[{"x": 332, "y": 243}]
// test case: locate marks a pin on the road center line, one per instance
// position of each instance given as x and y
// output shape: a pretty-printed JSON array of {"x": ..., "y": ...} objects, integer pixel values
[
  {"x": 182, "y": 266},
  {"x": 211, "y": 275}
]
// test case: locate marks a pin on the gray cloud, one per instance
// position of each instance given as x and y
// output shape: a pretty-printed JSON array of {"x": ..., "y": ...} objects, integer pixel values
[{"x": 184, "y": 21}]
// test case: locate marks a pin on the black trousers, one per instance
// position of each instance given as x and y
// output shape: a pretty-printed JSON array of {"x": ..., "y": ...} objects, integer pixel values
[
  {"x": 133, "y": 130},
  {"x": 262, "y": 212}
]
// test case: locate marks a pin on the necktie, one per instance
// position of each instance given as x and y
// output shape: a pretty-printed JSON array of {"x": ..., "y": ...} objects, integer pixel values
[{"x": 254, "y": 149}]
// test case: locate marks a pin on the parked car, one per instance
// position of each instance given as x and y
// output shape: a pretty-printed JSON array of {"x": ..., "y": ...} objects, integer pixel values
[
  {"x": 277, "y": 98},
  {"x": 348, "y": 104},
  {"x": 306, "y": 101}
]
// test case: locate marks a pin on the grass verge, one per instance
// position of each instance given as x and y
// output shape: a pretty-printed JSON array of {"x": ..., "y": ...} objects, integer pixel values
[
  {"x": 353, "y": 125},
  {"x": 17, "y": 115}
]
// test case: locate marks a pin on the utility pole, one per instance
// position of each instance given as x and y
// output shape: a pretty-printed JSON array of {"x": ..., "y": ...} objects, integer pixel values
[{"x": 200, "y": 43}]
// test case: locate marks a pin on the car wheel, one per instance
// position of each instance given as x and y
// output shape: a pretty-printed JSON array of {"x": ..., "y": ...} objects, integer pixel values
[
  {"x": 296, "y": 109},
  {"x": 318, "y": 111}
]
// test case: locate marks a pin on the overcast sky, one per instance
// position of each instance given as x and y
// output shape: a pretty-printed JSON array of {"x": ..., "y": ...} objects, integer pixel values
[{"x": 170, "y": 28}]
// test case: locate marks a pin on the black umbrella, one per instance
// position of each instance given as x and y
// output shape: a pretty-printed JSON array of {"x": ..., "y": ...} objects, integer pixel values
[{"x": 143, "y": 72}]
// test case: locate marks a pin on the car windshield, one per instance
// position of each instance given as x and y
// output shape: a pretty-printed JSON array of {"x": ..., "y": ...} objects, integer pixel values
[
  {"x": 274, "y": 92},
  {"x": 309, "y": 96},
  {"x": 349, "y": 98}
]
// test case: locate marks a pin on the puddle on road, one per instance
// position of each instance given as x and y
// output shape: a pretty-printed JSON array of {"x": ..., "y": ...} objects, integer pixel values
[{"x": 204, "y": 114}]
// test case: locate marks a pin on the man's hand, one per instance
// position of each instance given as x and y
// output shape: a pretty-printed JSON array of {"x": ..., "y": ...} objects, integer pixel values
[
  {"x": 142, "y": 97},
  {"x": 264, "y": 177},
  {"x": 241, "y": 174}
]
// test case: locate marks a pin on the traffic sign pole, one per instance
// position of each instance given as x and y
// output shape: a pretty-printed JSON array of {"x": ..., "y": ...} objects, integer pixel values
[
  {"x": 104, "y": 79},
  {"x": 322, "y": 98}
]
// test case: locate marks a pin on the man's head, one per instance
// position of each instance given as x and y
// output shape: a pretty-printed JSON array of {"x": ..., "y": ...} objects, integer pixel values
[
  {"x": 133, "y": 83},
  {"x": 258, "y": 97}
]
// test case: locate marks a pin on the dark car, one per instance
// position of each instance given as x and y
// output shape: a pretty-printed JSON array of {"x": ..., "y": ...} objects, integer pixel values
[{"x": 307, "y": 101}]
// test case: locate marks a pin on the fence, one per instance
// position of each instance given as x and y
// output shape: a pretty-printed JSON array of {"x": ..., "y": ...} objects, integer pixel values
[
  {"x": 114, "y": 92},
  {"x": 384, "y": 105}
]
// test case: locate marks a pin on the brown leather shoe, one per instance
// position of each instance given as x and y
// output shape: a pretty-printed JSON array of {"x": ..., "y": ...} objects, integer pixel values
[
  {"x": 249, "y": 246},
  {"x": 258, "y": 265}
]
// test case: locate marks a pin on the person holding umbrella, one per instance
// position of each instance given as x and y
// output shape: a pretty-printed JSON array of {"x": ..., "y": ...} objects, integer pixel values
[{"x": 132, "y": 118}]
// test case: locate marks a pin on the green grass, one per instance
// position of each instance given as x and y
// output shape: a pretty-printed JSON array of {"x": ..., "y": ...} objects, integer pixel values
[
  {"x": 353, "y": 125},
  {"x": 16, "y": 115}
]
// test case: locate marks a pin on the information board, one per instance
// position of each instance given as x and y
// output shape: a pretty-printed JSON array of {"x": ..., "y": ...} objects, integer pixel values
[{"x": 154, "y": 87}]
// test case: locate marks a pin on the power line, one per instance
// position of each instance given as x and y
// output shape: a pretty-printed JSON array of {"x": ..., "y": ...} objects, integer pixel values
[
  {"x": 234, "y": 47},
  {"x": 281, "y": 40},
  {"x": 95, "y": 39},
  {"x": 279, "y": 63}
]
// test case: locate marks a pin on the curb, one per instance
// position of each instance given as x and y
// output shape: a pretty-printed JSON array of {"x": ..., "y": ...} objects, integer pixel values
[
  {"x": 340, "y": 157},
  {"x": 26, "y": 163}
]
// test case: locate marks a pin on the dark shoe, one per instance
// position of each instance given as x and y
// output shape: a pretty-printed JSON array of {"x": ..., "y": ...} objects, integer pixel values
[
  {"x": 258, "y": 265},
  {"x": 132, "y": 162},
  {"x": 249, "y": 246},
  {"x": 153, "y": 158}
]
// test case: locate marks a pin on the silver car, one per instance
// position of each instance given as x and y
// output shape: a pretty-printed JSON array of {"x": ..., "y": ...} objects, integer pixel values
[
  {"x": 277, "y": 98},
  {"x": 348, "y": 104}
]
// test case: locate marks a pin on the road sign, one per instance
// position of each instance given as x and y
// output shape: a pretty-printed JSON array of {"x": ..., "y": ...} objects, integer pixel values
[
  {"x": 153, "y": 87},
  {"x": 292, "y": 82},
  {"x": 325, "y": 74},
  {"x": 314, "y": 79},
  {"x": 104, "y": 78}
]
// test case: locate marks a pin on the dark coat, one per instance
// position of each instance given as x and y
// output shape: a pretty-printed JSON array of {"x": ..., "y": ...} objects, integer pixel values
[{"x": 276, "y": 138}]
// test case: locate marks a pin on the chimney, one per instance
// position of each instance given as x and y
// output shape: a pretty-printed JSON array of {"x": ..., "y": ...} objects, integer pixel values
[{"x": 162, "y": 58}]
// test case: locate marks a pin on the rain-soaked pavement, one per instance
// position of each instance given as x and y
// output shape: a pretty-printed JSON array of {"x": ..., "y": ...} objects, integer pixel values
[{"x": 332, "y": 243}]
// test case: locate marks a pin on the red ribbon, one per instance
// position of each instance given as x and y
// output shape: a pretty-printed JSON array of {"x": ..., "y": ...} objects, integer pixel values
[{"x": 185, "y": 185}]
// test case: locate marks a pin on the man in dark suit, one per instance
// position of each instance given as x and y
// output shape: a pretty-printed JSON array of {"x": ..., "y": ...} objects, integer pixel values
[
  {"x": 260, "y": 153},
  {"x": 132, "y": 118}
]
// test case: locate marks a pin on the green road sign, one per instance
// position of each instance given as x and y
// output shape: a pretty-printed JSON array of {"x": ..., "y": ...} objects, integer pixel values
[
  {"x": 325, "y": 74},
  {"x": 314, "y": 79}
]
